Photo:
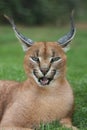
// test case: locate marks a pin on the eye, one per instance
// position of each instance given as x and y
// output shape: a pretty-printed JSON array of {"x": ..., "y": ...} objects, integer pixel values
[
  {"x": 36, "y": 59},
  {"x": 54, "y": 59}
]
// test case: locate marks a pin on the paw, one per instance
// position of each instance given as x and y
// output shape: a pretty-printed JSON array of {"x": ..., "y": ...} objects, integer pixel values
[
  {"x": 74, "y": 128},
  {"x": 71, "y": 127}
]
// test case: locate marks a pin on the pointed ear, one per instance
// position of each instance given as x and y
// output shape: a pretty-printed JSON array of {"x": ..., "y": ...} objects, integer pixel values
[
  {"x": 66, "y": 39},
  {"x": 25, "y": 42}
]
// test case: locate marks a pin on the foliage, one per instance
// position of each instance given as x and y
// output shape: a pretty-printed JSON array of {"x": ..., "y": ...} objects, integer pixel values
[
  {"x": 42, "y": 11},
  {"x": 11, "y": 65}
]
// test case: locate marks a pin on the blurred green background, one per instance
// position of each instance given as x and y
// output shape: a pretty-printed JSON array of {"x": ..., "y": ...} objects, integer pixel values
[
  {"x": 47, "y": 20},
  {"x": 39, "y": 12}
]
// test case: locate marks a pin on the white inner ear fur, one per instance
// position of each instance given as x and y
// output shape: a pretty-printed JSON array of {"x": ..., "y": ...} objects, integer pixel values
[
  {"x": 67, "y": 48},
  {"x": 24, "y": 46}
]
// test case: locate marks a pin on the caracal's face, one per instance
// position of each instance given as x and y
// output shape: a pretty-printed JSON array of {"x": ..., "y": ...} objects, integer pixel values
[{"x": 45, "y": 62}]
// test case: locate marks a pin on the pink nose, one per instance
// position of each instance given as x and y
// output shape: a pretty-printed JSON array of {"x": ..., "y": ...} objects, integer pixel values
[{"x": 44, "y": 70}]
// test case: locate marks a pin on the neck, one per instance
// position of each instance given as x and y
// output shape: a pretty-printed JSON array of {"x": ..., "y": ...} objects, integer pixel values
[{"x": 31, "y": 83}]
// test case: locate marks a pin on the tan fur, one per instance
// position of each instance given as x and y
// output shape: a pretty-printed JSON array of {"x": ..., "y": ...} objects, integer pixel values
[{"x": 23, "y": 106}]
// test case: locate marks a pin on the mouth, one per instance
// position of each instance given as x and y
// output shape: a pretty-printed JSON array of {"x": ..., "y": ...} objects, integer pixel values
[{"x": 44, "y": 80}]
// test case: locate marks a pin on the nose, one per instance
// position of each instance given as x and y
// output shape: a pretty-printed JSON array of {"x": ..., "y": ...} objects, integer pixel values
[{"x": 44, "y": 70}]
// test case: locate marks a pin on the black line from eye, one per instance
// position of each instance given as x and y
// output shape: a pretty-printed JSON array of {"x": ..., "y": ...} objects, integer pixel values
[{"x": 53, "y": 53}]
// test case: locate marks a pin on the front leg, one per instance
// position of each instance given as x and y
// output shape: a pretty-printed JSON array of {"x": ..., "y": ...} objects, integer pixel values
[
  {"x": 66, "y": 122},
  {"x": 14, "y": 128}
]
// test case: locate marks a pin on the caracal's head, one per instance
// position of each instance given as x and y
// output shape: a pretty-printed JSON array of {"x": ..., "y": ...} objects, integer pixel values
[{"x": 45, "y": 62}]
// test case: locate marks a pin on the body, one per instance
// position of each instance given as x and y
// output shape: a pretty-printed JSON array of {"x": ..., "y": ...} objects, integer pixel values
[
  {"x": 28, "y": 106},
  {"x": 45, "y": 95}
]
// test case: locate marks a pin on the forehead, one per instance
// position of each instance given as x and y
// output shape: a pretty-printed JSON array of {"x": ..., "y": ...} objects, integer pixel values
[{"x": 46, "y": 48}]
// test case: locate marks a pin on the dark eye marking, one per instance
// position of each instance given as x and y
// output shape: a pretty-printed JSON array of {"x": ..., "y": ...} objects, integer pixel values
[
  {"x": 36, "y": 59},
  {"x": 54, "y": 59}
]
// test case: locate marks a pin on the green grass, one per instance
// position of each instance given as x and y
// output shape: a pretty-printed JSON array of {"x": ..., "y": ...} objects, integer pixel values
[{"x": 11, "y": 64}]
